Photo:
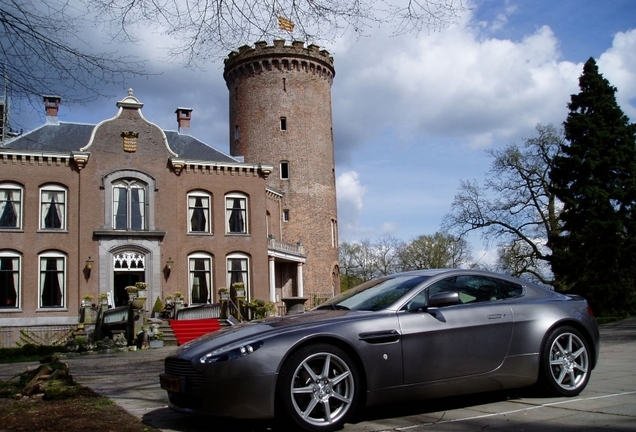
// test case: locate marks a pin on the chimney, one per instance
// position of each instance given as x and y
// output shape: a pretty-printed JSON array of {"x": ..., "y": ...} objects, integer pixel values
[
  {"x": 51, "y": 106},
  {"x": 184, "y": 115}
]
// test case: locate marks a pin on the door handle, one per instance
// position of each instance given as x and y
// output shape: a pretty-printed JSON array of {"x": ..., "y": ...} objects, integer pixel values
[{"x": 496, "y": 316}]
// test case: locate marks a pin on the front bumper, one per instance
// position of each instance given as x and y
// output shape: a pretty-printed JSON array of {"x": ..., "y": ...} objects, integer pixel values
[{"x": 244, "y": 397}]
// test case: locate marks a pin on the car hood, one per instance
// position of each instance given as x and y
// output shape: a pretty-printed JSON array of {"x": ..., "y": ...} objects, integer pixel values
[{"x": 266, "y": 328}]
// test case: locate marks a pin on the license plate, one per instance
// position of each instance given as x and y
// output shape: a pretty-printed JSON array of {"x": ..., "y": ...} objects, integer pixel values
[{"x": 170, "y": 383}]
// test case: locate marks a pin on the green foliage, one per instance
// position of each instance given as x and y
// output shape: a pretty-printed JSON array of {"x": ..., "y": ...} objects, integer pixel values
[
  {"x": 595, "y": 178},
  {"x": 158, "y": 307},
  {"x": 440, "y": 250},
  {"x": 28, "y": 352},
  {"x": 261, "y": 308}
]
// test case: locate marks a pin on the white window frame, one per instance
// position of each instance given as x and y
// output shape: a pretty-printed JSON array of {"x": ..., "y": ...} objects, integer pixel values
[
  {"x": 130, "y": 184},
  {"x": 229, "y": 208},
  {"x": 17, "y": 278},
  {"x": 229, "y": 260},
  {"x": 61, "y": 207},
  {"x": 61, "y": 261},
  {"x": 209, "y": 260},
  {"x": 5, "y": 188},
  {"x": 208, "y": 211}
]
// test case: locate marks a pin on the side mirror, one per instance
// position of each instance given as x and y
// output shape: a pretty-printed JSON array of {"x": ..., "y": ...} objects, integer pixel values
[{"x": 443, "y": 299}]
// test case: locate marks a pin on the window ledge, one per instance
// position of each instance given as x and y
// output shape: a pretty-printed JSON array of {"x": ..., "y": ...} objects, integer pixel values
[
  {"x": 10, "y": 310},
  {"x": 197, "y": 233},
  {"x": 51, "y": 309},
  {"x": 118, "y": 233},
  {"x": 11, "y": 230},
  {"x": 53, "y": 231}
]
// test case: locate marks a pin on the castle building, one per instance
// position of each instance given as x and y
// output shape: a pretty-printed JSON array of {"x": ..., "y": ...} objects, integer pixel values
[
  {"x": 90, "y": 209},
  {"x": 280, "y": 113}
]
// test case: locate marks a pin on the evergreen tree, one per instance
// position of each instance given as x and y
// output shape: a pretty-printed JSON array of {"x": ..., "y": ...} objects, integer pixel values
[{"x": 595, "y": 178}]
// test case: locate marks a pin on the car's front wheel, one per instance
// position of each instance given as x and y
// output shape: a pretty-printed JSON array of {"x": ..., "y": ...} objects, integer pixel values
[
  {"x": 318, "y": 388},
  {"x": 565, "y": 362}
]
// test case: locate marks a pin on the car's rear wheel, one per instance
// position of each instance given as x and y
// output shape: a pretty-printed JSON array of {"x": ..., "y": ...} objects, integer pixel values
[
  {"x": 565, "y": 362},
  {"x": 318, "y": 388}
]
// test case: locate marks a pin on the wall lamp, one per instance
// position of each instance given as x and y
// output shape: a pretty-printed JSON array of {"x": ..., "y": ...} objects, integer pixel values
[
  {"x": 88, "y": 267},
  {"x": 169, "y": 265}
]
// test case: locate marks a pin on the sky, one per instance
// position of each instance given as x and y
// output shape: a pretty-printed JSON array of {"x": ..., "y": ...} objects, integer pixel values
[{"x": 413, "y": 115}]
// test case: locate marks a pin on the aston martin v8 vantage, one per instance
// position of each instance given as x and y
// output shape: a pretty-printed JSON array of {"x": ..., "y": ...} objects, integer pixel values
[{"x": 421, "y": 334}]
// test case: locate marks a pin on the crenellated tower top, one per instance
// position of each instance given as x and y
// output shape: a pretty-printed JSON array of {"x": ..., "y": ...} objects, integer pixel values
[{"x": 249, "y": 60}]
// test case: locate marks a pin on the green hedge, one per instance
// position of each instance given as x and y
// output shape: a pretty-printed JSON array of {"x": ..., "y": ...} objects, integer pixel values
[{"x": 28, "y": 352}]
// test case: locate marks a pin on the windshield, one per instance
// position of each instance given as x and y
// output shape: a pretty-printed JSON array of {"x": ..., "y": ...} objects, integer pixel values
[{"x": 374, "y": 295}]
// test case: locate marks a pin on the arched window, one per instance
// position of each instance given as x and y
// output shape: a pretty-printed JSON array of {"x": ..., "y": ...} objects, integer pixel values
[
  {"x": 10, "y": 206},
  {"x": 129, "y": 205},
  {"x": 199, "y": 213},
  {"x": 236, "y": 214},
  {"x": 200, "y": 281},
  {"x": 129, "y": 201},
  {"x": 10, "y": 276},
  {"x": 52, "y": 208},
  {"x": 52, "y": 280}
]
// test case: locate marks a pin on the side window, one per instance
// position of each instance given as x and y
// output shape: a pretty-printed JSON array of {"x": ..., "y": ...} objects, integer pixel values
[
  {"x": 508, "y": 290},
  {"x": 238, "y": 271},
  {"x": 200, "y": 266},
  {"x": 284, "y": 170},
  {"x": 236, "y": 214},
  {"x": 9, "y": 280},
  {"x": 199, "y": 213},
  {"x": 10, "y": 206},
  {"x": 475, "y": 288},
  {"x": 52, "y": 280},
  {"x": 52, "y": 208}
]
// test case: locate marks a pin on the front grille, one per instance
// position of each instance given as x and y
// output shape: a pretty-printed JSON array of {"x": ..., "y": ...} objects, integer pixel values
[{"x": 183, "y": 368}]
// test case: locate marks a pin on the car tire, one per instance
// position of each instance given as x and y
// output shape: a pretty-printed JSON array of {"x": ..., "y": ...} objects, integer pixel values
[
  {"x": 565, "y": 362},
  {"x": 318, "y": 388}
]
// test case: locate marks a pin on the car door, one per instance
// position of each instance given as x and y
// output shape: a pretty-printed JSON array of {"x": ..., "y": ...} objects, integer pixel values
[{"x": 456, "y": 340}]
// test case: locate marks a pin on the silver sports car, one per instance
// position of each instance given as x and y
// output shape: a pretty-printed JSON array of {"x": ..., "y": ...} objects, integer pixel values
[{"x": 422, "y": 334}]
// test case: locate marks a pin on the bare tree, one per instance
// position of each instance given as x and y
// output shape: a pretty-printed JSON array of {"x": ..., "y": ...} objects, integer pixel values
[
  {"x": 205, "y": 29},
  {"x": 41, "y": 52},
  {"x": 386, "y": 251},
  {"x": 516, "y": 206}
]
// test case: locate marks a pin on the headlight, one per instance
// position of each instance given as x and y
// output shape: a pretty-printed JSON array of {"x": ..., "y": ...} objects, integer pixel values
[{"x": 231, "y": 352}]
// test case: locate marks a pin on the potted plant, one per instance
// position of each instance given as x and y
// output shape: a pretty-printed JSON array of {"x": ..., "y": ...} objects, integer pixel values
[
  {"x": 178, "y": 297},
  {"x": 158, "y": 307},
  {"x": 141, "y": 288},
  {"x": 132, "y": 291},
  {"x": 239, "y": 288},
  {"x": 169, "y": 299},
  {"x": 224, "y": 293},
  {"x": 103, "y": 298},
  {"x": 155, "y": 339},
  {"x": 86, "y": 300}
]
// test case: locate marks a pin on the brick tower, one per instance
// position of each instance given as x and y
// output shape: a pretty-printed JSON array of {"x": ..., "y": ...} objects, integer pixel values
[{"x": 280, "y": 114}]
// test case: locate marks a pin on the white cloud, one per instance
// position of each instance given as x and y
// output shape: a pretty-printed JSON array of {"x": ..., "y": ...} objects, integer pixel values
[
  {"x": 618, "y": 65},
  {"x": 350, "y": 193}
]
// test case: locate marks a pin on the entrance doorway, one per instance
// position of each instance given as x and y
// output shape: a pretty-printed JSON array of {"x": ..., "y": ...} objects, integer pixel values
[
  {"x": 122, "y": 280},
  {"x": 128, "y": 269}
]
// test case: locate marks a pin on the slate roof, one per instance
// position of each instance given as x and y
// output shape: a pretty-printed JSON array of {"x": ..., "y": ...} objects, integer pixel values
[{"x": 66, "y": 137}]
